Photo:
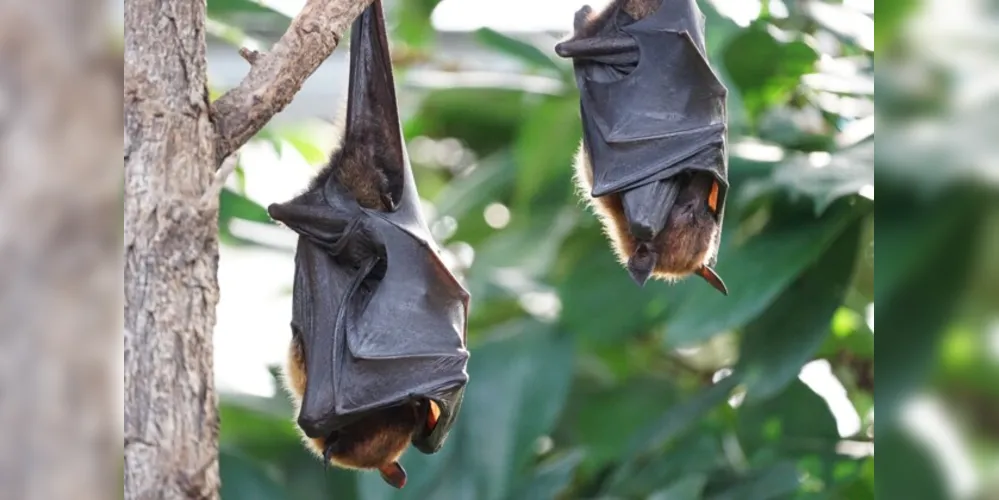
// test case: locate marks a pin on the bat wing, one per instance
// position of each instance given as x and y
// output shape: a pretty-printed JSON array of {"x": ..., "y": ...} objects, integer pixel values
[
  {"x": 375, "y": 304},
  {"x": 651, "y": 106},
  {"x": 382, "y": 318}
]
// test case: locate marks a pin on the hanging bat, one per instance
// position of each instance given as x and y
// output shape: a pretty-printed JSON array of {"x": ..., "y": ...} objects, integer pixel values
[
  {"x": 377, "y": 358},
  {"x": 652, "y": 159}
]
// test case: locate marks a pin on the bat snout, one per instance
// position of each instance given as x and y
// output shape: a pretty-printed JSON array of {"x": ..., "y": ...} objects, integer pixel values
[{"x": 642, "y": 263}]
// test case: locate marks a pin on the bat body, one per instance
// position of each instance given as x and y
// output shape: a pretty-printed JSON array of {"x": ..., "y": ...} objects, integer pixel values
[
  {"x": 653, "y": 157},
  {"x": 377, "y": 358}
]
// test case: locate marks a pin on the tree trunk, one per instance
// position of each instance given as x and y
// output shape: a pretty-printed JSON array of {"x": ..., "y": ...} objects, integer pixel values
[
  {"x": 59, "y": 295},
  {"x": 171, "y": 255}
]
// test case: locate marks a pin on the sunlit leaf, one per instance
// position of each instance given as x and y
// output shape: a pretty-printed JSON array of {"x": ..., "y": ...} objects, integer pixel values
[
  {"x": 848, "y": 173},
  {"x": 412, "y": 18},
  {"x": 521, "y": 50},
  {"x": 889, "y": 18},
  {"x": 797, "y": 421},
  {"x": 780, "y": 341},
  {"x": 755, "y": 272},
  {"x": 233, "y": 205},
  {"x": 765, "y": 69},
  {"x": 544, "y": 152}
]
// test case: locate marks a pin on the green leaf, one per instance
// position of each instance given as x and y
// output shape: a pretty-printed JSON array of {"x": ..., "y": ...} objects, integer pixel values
[
  {"x": 681, "y": 417},
  {"x": 483, "y": 185},
  {"x": 227, "y": 8},
  {"x": 889, "y": 18},
  {"x": 544, "y": 152},
  {"x": 413, "y": 24},
  {"x": 780, "y": 341},
  {"x": 243, "y": 479},
  {"x": 915, "y": 307},
  {"x": 495, "y": 122},
  {"x": 695, "y": 454},
  {"x": 688, "y": 488},
  {"x": 301, "y": 140},
  {"x": 908, "y": 469},
  {"x": 523, "y": 51},
  {"x": 798, "y": 421},
  {"x": 847, "y": 174},
  {"x": 517, "y": 387},
  {"x": 592, "y": 413},
  {"x": 551, "y": 478},
  {"x": 764, "y": 69},
  {"x": 772, "y": 482},
  {"x": 545, "y": 235},
  {"x": 756, "y": 273},
  {"x": 600, "y": 302},
  {"x": 233, "y": 205}
]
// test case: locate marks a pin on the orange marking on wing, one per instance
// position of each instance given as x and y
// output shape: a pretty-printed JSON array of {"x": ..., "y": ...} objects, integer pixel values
[
  {"x": 433, "y": 414},
  {"x": 713, "y": 197}
]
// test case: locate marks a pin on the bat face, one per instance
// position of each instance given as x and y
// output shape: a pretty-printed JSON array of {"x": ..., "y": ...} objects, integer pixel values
[
  {"x": 666, "y": 230},
  {"x": 375, "y": 440},
  {"x": 377, "y": 359},
  {"x": 653, "y": 157}
]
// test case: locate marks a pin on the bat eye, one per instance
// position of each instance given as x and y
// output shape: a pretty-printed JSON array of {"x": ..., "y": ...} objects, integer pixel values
[
  {"x": 433, "y": 414},
  {"x": 713, "y": 197}
]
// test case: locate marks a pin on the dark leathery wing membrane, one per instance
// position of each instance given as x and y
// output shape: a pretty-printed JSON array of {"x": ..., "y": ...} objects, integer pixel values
[
  {"x": 653, "y": 115},
  {"x": 378, "y": 356}
]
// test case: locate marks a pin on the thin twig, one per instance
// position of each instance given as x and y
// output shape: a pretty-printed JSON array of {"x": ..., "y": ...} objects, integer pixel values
[
  {"x": 251, "y": 56},
  {"x": 212, "y": 193},
  {"x": 276, "y": 76}
]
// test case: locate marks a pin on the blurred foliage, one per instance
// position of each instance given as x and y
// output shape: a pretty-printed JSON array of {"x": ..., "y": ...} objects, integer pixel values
[{"x": 585, "y": 386}]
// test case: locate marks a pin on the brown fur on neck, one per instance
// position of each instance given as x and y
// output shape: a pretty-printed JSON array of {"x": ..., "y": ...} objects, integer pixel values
[
  {"x": 376, "y": 440},
  {"x": 639, "y": 8},
  {"x": 683, "y": 245}
]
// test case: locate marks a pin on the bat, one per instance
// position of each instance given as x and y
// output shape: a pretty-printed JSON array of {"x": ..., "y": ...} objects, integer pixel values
[
  {"x": 652, "y": 161},
  {"x": 378, "y": 352}
]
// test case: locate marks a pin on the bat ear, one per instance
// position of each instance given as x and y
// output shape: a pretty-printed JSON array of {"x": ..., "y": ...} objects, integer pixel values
[{"x": 372, "y": 126}]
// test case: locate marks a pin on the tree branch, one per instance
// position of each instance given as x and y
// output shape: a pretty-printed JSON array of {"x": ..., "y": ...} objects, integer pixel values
[{"x": 277, "y": 75}]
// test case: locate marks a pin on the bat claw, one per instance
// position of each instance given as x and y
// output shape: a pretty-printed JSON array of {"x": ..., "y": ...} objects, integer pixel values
[
  {"x": 713, "y": 279},
  {"x": 393, "y": 474}
]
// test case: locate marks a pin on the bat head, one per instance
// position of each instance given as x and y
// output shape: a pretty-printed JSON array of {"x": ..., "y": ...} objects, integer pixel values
[
  {"x": 665, "y": 229},
  {"x": 374, "y": 440},
  {"x": 674, "y": 223}
]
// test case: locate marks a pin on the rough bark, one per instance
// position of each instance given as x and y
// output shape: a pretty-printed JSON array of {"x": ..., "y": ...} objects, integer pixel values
[
  {"x": 171, "y": 255},
  {"x": 175, "y": 140},
  {"x": 59, "y": 295}
]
